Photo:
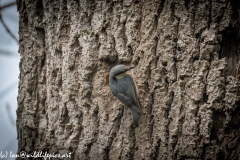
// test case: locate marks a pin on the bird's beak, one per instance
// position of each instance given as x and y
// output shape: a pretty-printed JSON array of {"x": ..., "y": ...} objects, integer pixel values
[{"x": 130, "y": 68}]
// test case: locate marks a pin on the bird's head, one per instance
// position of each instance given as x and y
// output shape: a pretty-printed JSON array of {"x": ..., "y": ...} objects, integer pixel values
[{"x": 118, "y": 71}]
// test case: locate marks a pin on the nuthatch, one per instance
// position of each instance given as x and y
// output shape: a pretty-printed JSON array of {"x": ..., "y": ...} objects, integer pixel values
[{"x": 124, "y": 88}]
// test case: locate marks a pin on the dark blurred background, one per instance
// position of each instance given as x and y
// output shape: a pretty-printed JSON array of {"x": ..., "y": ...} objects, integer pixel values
[{"x": 9, "y": 71}]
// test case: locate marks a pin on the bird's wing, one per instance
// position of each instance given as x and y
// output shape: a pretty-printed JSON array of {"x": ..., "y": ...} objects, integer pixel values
[
  {"x": 128, "y": 89},
  {"x": 128, "y": 102},
  {"x": 124, "y": 99}
]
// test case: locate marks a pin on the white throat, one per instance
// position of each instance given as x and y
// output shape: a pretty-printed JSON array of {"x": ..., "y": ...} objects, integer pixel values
[{"x": 120, "y": 76}]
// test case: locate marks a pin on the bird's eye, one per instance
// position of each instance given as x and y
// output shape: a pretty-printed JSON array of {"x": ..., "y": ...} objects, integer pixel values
[{"x": 114, "y": 78}]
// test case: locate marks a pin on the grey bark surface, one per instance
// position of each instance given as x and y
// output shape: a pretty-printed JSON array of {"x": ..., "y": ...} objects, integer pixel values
[{"x": 186, "y": 55}]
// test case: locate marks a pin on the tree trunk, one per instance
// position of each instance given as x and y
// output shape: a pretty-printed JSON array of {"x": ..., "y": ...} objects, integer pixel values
[{"x": 186, "y": 55}]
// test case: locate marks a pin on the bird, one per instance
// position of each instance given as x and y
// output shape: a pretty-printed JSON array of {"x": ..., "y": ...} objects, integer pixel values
[{"x": 125, "y": 89}]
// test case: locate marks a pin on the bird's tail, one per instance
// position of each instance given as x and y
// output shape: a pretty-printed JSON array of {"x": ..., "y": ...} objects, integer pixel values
[{"x": 136, "y": 113}]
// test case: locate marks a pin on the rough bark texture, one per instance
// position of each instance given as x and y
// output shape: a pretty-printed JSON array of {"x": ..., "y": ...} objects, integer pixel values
[{"x": 186, "y": 55}]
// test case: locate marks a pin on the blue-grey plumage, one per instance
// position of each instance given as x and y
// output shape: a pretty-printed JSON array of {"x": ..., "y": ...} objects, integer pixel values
[{"x": 123, "y": 87}]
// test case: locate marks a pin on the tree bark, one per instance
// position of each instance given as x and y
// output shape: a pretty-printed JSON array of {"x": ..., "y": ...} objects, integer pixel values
[{"x": 186, "y": 55}]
